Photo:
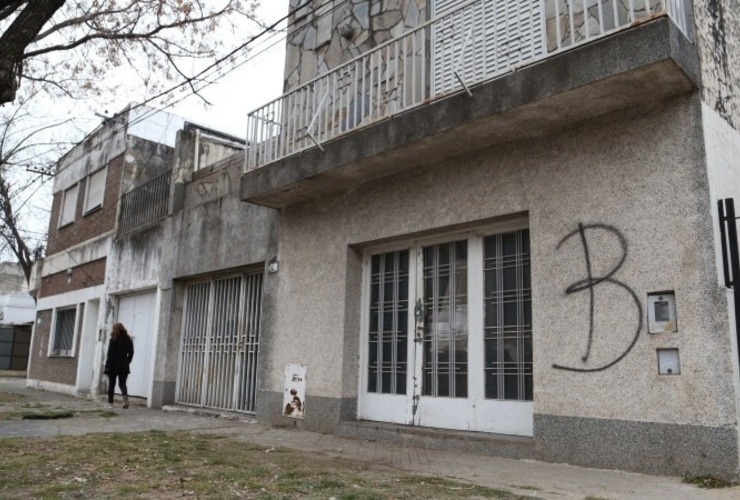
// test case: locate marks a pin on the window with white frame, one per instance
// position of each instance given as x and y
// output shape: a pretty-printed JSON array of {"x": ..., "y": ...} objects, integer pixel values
[
  {"x": 95, "y": 190},
  {"x": 69, "y": 206},
  {"x": 62, "y": 343}
]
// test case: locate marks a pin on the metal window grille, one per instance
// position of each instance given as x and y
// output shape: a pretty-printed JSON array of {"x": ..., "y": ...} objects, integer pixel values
[
  {"x": 146, "y": 203},
  {"x": 445, "y": 363},
  {"x": 64, "y": 331},
  {"x": 508, "y": 317},
  {"x": 220, "y": 343},
  {"x": 388, "y": 331}
]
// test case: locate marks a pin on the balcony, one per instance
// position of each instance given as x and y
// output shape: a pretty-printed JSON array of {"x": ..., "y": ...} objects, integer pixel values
[
  {"x": 482, "y": 72},
  {"x": 145, "y": 204}
]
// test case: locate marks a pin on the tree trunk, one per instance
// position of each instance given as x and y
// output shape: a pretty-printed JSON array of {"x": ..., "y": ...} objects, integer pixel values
[{"x": 16, "y": 38}]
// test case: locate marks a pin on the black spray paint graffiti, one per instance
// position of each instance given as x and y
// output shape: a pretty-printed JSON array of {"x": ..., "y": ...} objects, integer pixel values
[{"x": 590, "y": 283}]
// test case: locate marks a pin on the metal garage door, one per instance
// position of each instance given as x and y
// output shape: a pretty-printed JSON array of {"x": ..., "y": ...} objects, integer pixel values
[
  {"x": 219, "y": 343},
  {"x": 136, "y": 312}
]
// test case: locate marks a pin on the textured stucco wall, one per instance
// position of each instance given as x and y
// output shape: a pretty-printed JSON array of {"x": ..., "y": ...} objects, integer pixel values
[
  {"x": 134, "y": 260},
  {"x": 722, "y": 146},
  {"x": 643, "y": 176},
  {"x": 210, "y": 231},
  {"x": 718, "y": 41}
]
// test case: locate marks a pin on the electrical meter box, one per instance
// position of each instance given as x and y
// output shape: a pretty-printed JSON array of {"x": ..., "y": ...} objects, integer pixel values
[
  {"x": 662, "y": 313},
  {"x": 669, "y": 362}
]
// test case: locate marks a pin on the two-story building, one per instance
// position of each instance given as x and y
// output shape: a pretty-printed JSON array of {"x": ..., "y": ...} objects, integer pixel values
[
  {"x": 500, "y": 217},
  {"x": 479, "y": 224},
  {"x": 111, "y": 248}
]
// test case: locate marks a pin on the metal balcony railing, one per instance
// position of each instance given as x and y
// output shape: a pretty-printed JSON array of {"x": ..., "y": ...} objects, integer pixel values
[
  {"x": 464, "y": 44},
  {"x": 146, "y": 203}
]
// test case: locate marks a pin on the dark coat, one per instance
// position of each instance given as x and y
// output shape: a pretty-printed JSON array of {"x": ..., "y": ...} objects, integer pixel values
[{"x": 120, "y": 354}]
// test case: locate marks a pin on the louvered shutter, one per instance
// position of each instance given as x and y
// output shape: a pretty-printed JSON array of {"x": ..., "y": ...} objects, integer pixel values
[
  {"x": 500, "y": 34},
  {"x": 69, "y": 204},
  {"x": 95, "y": 190}
]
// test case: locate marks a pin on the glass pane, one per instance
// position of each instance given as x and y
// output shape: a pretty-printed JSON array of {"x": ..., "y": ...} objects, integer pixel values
[
  {"x": 446, "y": 320},
  {"x": 388, "y": 323},
  {"x": 508, "y": 317}
]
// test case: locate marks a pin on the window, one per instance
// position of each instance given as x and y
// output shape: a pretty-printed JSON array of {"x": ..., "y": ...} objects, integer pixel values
[
  {"x": 69, "y": 206},
  {"x": 388, "y": 334},
  {"x": 508, "y": 316},
  {"x": 64, "y": 332},
  {"x": 95, "y": 190}
]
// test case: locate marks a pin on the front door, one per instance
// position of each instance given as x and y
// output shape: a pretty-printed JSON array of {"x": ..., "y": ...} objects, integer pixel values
[
  {"x": 448, "y": 336},
  {"x": 137, "y": 313}
]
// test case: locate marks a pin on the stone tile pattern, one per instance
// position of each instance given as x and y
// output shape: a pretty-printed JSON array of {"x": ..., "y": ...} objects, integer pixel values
[
  {"x": 328, "y": 33},
  {"x": 588, "y": 23}
]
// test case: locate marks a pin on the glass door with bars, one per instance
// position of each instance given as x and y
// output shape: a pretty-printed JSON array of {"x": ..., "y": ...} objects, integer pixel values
[{"x": 448, "y": 333}]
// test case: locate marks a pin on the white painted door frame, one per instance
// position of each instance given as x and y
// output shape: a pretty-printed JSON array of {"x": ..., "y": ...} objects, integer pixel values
[{"x": 474, "y": 412}]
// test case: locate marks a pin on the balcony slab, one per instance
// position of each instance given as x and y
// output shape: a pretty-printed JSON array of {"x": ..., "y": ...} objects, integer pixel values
[{"x": 629, "y": 69}]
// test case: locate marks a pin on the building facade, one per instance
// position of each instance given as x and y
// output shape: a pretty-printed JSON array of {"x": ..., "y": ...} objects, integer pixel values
[
  {"x": 482, "y": 225},
  {"x": 17, "y": 312},
  {"x": 501, "y": 218},
  {"x": 107, "y": 260}
]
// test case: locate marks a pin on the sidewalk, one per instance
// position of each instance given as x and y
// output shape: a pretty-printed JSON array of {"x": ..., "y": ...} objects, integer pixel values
[{"x": 535, "y": 479}]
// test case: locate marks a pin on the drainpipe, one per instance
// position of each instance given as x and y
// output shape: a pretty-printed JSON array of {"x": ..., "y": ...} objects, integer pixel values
[{"x": 196, "y": 161}]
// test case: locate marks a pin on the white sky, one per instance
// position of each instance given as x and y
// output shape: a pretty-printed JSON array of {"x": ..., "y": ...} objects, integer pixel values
[{"x": 256, "y": 83}]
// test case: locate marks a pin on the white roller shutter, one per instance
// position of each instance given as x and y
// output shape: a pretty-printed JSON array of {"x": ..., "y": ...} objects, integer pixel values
[
  {"x": 95, "y": 190},
  {"x": 484, "y": 39}
]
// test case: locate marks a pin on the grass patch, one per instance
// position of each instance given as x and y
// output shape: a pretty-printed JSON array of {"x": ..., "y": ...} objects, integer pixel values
[
  {"x": 172, "y": 465},
  {"x": 45, "y": 412},
  {"x": 707, "y": 482},
  {"x": 47, "y": 415}
]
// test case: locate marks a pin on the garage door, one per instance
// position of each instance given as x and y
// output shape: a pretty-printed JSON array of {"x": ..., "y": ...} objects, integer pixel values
[
  {"x": 136, "y": 312},
  {"x": 220, "y": 342}
]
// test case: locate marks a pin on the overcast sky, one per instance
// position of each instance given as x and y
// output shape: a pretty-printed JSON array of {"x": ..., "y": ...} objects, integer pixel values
[{"x": 256, "y": 83}]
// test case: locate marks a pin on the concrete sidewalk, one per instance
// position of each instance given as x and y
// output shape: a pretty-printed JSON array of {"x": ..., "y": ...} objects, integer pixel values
[{"x": 535, "y": 479}]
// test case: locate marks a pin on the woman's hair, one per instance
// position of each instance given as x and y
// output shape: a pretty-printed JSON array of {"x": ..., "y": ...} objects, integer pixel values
[{"x": 117, "y": 330}]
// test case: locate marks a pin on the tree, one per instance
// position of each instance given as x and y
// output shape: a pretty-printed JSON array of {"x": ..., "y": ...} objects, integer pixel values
[
  {"x": 82, "y": 51},
  {"x": 29, "y": 142},
  {"x": 70, "y": 45}
]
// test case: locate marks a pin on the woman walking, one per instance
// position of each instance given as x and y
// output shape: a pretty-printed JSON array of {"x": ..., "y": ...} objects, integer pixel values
[{"x": 120, "y": 354}]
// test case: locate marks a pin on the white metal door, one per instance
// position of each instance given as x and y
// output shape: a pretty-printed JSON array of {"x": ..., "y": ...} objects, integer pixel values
[
  {"x": 448, "y": 335},
  {"x": 136, "y": 312},
  {"x": 88, "y": 341},
  {"x": 219, "y": 343}
]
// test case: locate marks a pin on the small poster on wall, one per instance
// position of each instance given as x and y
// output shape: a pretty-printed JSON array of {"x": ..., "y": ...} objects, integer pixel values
[{"x": 294, "y": 397}]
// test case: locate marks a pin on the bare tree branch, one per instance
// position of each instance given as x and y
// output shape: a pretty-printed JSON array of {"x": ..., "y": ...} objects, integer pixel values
[{"x": 16, "y": 38}]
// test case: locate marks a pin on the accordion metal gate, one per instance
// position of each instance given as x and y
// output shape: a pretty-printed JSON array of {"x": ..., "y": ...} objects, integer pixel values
[{"x": 219, "y": 343}]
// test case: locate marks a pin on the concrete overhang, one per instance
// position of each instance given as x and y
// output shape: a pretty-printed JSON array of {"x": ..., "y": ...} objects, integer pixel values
[{"x": 645, "y": 63}]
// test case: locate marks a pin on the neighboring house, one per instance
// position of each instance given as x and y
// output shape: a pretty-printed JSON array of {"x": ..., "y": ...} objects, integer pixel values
[
  {"x": 497, "y": 220},
  {"x": 105, "y": 258},
  {"x": 504, "y": 221},
  {"x": 17, "y": 311}
]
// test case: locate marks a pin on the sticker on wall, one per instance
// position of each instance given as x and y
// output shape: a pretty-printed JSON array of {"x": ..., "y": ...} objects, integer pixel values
[{"x": 294, "y": 397}]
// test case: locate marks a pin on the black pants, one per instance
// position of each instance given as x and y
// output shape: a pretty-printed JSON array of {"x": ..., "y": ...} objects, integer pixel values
[{"x": 121, "y": 384}]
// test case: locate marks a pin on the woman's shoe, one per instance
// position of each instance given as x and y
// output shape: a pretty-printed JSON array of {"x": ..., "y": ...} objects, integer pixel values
[{"x": 125, "y": 402}]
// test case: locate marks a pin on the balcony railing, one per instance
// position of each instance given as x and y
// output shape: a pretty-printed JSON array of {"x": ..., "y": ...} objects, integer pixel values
[
  {"x": 145, "y": 204},
  {"x": 463, "y": 45}
]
